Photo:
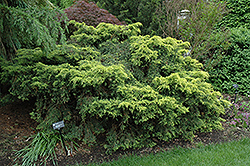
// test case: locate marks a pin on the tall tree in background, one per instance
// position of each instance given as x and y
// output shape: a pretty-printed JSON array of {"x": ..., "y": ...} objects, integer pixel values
[{"x": 28, "y": 24}]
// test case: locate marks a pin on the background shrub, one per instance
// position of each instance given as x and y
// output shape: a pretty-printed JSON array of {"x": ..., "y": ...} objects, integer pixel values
[
  {"x": 234, "y": 68},
  {"x": 89, "y": 13},
  {"x": 239, "y": 14},
  {"x": 132, "y": 11}
]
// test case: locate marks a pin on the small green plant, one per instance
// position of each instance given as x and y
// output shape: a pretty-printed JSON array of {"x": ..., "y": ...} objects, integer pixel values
[{"x": 41, "y": 149}]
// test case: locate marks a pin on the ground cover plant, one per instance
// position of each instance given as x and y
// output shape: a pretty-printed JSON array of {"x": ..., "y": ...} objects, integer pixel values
[
  {"x": 239, "y": 114},
  {"x": 111, "y": 83}
]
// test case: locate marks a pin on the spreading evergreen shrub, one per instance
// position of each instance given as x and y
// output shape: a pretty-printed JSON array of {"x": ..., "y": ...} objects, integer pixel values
[
  {"x": 114, "y": 85},
  {"x": 234, "y": 68}
]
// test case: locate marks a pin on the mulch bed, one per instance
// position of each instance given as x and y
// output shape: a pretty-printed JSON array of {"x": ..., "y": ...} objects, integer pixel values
[{"x": 16, "y": 127}]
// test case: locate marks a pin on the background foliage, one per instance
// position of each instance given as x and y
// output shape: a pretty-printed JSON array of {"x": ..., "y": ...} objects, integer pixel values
[
  {"x": 239, "y": 14},
  {"x": 132, "y": 11},
  {"x": 160, "y": 18},
  {"x": 234, "y": 68},
  {"x": 62, "y": 4},
  {"x": 112, "y": 83},
  {"x": 196, "y": 26}
]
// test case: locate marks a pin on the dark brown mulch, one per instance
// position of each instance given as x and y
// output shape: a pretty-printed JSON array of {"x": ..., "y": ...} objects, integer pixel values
[
  {"x": 97, "y": 154},
  {"x": 16, "y": 127}
]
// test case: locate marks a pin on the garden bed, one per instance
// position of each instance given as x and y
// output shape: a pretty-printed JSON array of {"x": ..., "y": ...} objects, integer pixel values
[{"x": 16, "y": 129}]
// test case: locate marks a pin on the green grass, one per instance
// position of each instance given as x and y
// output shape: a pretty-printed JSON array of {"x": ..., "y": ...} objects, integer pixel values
[{"x": 236, "y": 153}]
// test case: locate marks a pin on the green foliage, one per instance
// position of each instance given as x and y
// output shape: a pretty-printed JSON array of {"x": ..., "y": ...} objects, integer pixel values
[
  {"x": 234, "y": 68},
  {"x": 197, "y": 26},
  {"x": 29, "y": 24},
  {"x": 63, "y": 3},
  {"x": 41, "y": 149},
  {"x": 91, "y": 36},
  {"x": 239, "y": 14},
  {"x": 114, "y": 84},
  {"x": 132, "y": 11}
]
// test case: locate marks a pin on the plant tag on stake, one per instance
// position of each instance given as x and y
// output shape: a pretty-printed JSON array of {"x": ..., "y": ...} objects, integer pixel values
[{"x": 58, "y": 125}]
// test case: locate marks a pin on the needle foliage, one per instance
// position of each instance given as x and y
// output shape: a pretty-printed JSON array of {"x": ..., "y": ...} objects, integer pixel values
[
  {"x": 112, "y": 83},
  {"x": 28, "y": 24}
]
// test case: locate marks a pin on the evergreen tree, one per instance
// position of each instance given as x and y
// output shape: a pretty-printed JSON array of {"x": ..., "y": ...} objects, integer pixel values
[{"x": 28, "y": 24}]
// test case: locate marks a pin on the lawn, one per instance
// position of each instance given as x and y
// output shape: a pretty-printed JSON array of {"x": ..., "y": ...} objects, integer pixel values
[{"x": 231, "y": 153}]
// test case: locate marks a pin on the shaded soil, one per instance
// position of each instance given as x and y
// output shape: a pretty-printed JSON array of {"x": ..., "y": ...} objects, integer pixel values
[{"x": 16, "y": 129}]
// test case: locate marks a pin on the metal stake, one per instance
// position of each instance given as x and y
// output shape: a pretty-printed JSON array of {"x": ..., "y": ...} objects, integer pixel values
[
  {"x": 58, "y": 126},
  {"x": 236, "y": 87},
  {"x": 235, "y": 96},
  {"x": 63, "y": 142}
]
